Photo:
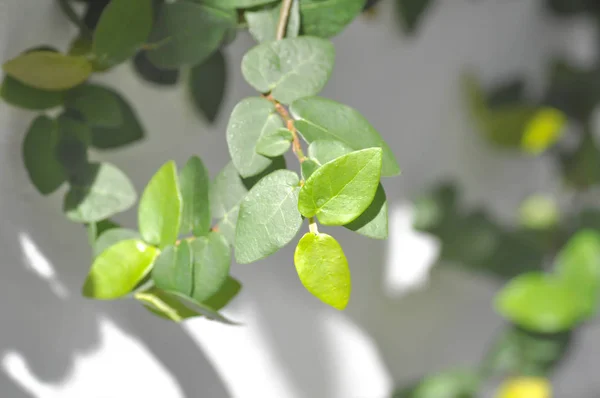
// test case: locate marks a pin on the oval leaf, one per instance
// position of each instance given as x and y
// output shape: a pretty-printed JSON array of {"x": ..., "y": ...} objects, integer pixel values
[
  {"x": 268, "y": 217},
  {"x": 165, "y": 305},
  {"x": 111, "y": 237},
  {"x": 341, "y": 190},
  {"x": 237, "y": 3},
  {"x": 159, "y": 211},
  {"x": 18, "y": 94},
  {"x": 187, "y": 33},
  {"x": 48, "y": 70},
  {"x": 98, "y": 106},
  {"x": 325, "y": 151},
  {"x": 262, "y": 22},
  {"x": 275, "y": 143},
  {"x": 40, "y": 155},
  {"x": 122, "y": 29},
  {"x": 309, "y": 166},
  {"x": 194, "y": 183},
  {"x": 290, "y": 68},
  {"x": 100, "y": 191},
  {"x": 323, "y": 269},
  {"x": 539, "y": 303},
  {"x": 250, "y": 120},
  {"x": 174, "y": 269},
  {"x": 324, "y": 119},
  {"x": 207, "y": 85},
  {"x": 326, "y": 18},
  {"x": 153, "y": 74},
  {"x": 119, "y": 269},
  {"x": 226, "y": 193}
]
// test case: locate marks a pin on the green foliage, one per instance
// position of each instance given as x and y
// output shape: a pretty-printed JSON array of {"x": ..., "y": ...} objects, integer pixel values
[
  {"x": 262, "y": 21},
  {"x": 195, "y": 183},
  {"x": 98, "y": 106},
  {"x": 450, "y": 384},
  {"x": 327, "y": 18},
  {"x": 23, "y": 96},
  {"x": 275, "y": 143}
]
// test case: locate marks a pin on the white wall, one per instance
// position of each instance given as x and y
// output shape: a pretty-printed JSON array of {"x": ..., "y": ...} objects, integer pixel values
[{"x": 53, "y": 343}]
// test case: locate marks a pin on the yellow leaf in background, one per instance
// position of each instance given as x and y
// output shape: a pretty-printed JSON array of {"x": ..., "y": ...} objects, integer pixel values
[
  {"x": 543, "y": 130},
  {"x": 526, "y": 387}
]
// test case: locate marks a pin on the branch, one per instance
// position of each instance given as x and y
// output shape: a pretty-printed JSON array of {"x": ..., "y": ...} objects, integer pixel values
[{"x": 284, "y": 15}]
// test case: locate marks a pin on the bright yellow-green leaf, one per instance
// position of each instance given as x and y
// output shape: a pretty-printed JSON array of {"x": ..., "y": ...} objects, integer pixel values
[
  {"x": 323, "y": 269},
  {"x": 543, "y": 130},
  {"x": 340, "y": 191},
  {"x": 119, "y": 269},
  {"x": 525, "y": 387},
  {"x": 159, "y": 211},
  {"x": 539, "y": 212},
  {"x": 48, "y": 70}
]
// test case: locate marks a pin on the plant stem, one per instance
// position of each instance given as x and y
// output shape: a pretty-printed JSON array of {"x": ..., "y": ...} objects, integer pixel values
[
  {"x": 284, "y": 15},
  {"x": 312, "y": 225},
  {"x": 289, "y": 122},
  {"x": 66, "y": 7}
]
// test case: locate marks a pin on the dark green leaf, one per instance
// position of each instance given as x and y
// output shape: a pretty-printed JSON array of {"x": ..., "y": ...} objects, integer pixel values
[
  {"x": 262, "y": 22},
  {"x": 250, "y": 120},
  {"x": 228, "y": 291},
  {"x": 226, "y": 194},
  {"x": 203, "y": 308},
  {"x": 207, "y": 85},
  {"x": 277, "y": 164},
  {"x": 159, "y": 211},
  {"x": 119, "y": 269},
  {"x": 290, "y": 68},
  {"x": 99, "y": 106},
  {"x": 122, "y": 29},
  {"x": 75, "y": 137},
  {"x": 323, "y": 269},
  {"x": 268, "y": 217},
  {"x": 100, "y": 191},
  {"x": 581, "y": 168},
  {"x": 40, "y": 155},
  {"x": 194, "y": 184},
  {"x": 324, "y": 119},
  {"x": 187, "y": 33},
  {"x": 326, "y": 18},
  {"x": 340, "y": 191},
  {"x": 111, "y": 237},
  {"x": 23, "y": 96},
  {"x": 373, "y": 222},
  {"x": 275, "y": 143},
  {"x": 411, "y": 12},
  {"x": 165, "y": 305},
  {"x": 153, "y": 74},
  {"x": 48, "y": 70}
]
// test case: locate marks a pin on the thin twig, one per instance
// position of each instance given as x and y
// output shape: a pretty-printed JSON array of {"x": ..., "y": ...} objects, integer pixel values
[
  {"x": 65, "y": 6},
  {"x": 284, "y": 15},
  {"x": 289, "y": 122}
]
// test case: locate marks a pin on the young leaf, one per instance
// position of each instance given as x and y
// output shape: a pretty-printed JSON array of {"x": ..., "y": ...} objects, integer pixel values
[
  {"x": 99, "y": 107},
  {"x": 290, "y": 68},
  {"x": 122, "y": 29},
  {"x": 323, "y": 269},
  {"x": 341, "y": 190},
  {"x": 40, "y": 155},
  {"x": 111, "y": 237},
  {"x": 99, "y": 191},
  {"x": 250, "y": 120},
  {"x": 262, "y": 22},
  {"x": 226, "y": 194},
  {"x": 328, "y": 18},
  {"x": 411, "y": 12},
  {"x": 127, "y": 132},
  {"x": 194, "y": 183},
  {"x": 48, "y": 70},
  {"x": 324, "y": 119},
  {"x": 165, "y": 305},
  {"x": 540, "y": 303},
  {"x": 274, "y": 143},
  {"x": 187, "y": 33},
  {"x": 268, "y": 217},
  {"x": 308, "y": 167},
  {"x": 153, "y": 74},
  {"x": 207, "y": 85},
  {"x": 196, "y": 269},
  {"x": 578, "y": 265},
  {"x": 23, "y": 96},
  {"x": 119, "y": 269},
  {"x": 159, "y": 211}
]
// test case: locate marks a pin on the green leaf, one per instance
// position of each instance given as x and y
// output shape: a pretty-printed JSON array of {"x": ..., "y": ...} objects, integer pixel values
[
  {"x": 581, "y": 168},
  {"x": 122, "y": 29},
  {"x": 250, "y": 120},
  {"x": 100, "y": 191},
  {"x": 277, "y": 164},
  {"x": 48, "y": 70},
  {"x": 341, "y": 190},
  {"x": 323, "y": 269},
  {"x": 97, "y": 105},
  {"x": 95, "y": 229},
  {"x": 127, "y": 132},
  {"x": 75, "y": 137},
  {"x": 111, "y": 237},
  {"x": 451, "y": 384},
  {"x": 540, "y": 303},
  {"x": 197, "y": 269},
  {"x": 159, "y": 211},
  {"x": 203, "y": 308},
  {"x": 578, "y": 265},
  {"x": 275, "y": 143},
  {"x": 153, "y": 74},
  {"x": 23, "y": 96},
  {"x": 187, "y": 33},
  {"x": 290, "y": 68},
  {"x": 323, "y": 119},
  {"x": 539, "y": 212},
  {"x": 325, "y": 151},
  {"x": 165, "y": 305},
  {"x": 228, "y": 291},
  {"x": 230, "y": 4},
  {"x": 262, "y": 22},
  {"x": 327, "y": 18},
  {"x": 268, "y": 217},
  {"x": 411, "y": 12},
  {"x": 207, "y": 85},
  {"x": 195, "y": 183},
  {"x": 119, "y": 269},
  {"x": 80, "y": 45},
  {"x": 226, "y": 193},
  {"x": 308, "y": 167},
  {"x": 40, "y": 155}
]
